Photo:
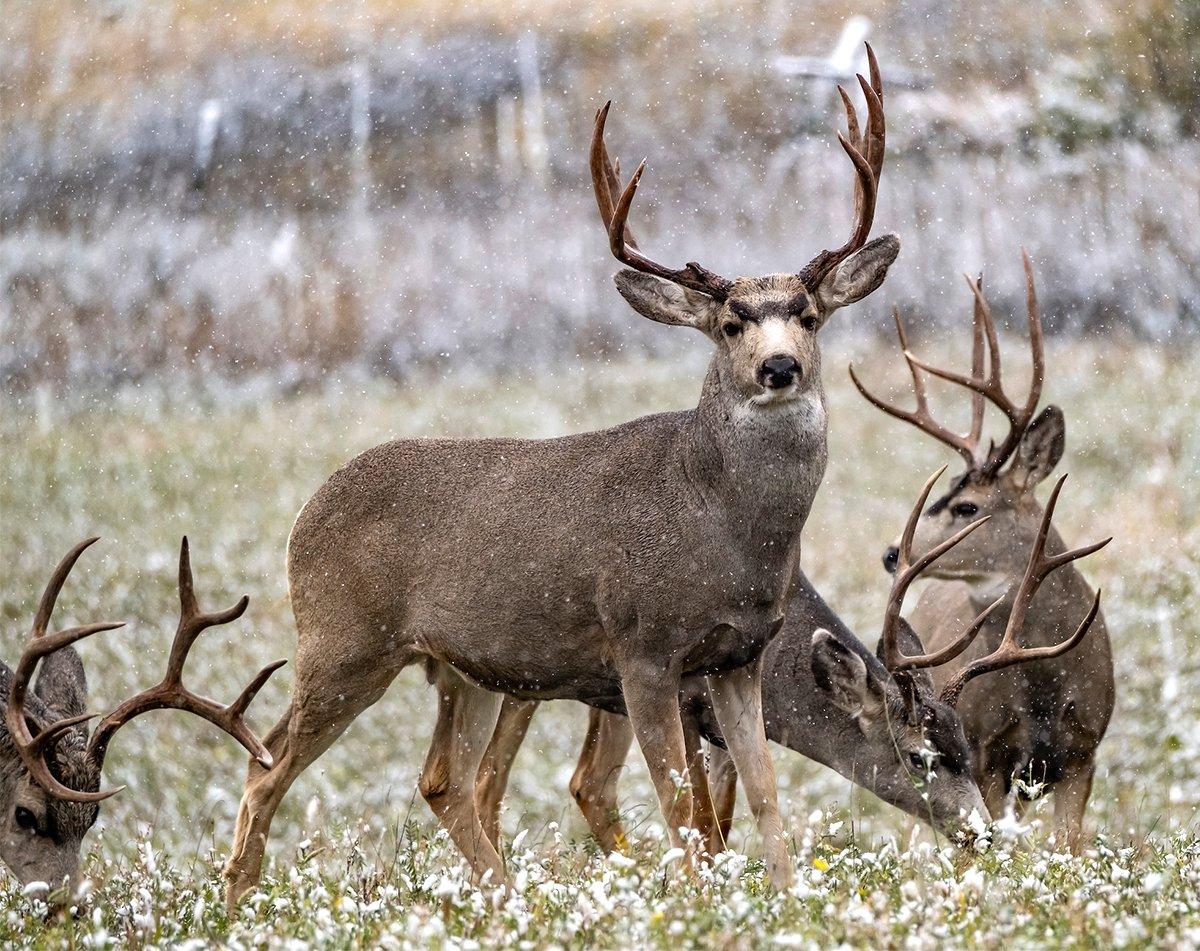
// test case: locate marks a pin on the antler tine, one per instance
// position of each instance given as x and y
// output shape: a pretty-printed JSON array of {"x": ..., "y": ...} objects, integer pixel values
[
  {"x": 31, "y": 749},
  {"x": 613, "y": 216},
  {"x": 921, "y": 417},
  {"x": 1039, "y": 567},
  {"x": 170, "y": 693},
  {"x": 865, "y": 150},
  {"x": 991, "y": 386},
  {"x": 907, "y": 571}
]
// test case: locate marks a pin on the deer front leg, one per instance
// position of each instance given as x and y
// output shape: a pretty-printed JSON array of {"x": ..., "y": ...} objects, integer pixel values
[
  {"x": 1070, "y": 803},
  {"x": 594, "y": 782},
  {"x": 492, "y": 781},
  {"x": 652, "y": 699},
  {"x": 466, "y": 720},
  {"x": 722, "y": 787},
  {"x": 737, "y": 701}
]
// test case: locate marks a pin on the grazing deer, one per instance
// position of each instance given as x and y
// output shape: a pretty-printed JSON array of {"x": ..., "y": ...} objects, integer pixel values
[
  {"x": 567, "y": 567},
  {"x": 876, "y": 720},
  {"x": 1040, "y": 721},
  {"x": 49, "y": 767}
]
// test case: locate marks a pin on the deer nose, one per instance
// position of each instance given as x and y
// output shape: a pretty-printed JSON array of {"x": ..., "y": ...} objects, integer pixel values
[
  {"x": 778, "y": 371},
  {"x": 890, "y": 556}
]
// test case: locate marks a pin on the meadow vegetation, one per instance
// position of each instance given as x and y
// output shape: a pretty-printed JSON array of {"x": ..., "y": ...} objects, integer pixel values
[{"x": 354, "y": 856}]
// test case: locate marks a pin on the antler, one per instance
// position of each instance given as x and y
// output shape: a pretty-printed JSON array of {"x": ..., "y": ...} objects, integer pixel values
[
  {"x": 170, "y": 693},
  {"x": 966, "y": 446},
  {"x": 865, "y": 150},
  {"x": 1010, "y": 651},
  {"x": 614, "y": 210},
  {"x": 981, "y": 385},
  {"x": 907, "y": 571},
  {"x": 33, "y": 749}
]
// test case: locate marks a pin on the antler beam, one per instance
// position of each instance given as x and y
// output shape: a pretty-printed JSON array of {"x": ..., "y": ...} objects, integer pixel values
[{"x": 614, "y": 212}]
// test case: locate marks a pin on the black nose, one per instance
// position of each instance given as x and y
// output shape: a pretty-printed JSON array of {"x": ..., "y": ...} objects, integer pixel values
[
  {"x": 779, "y": 371},
  {"x": 890, "y": 557}
]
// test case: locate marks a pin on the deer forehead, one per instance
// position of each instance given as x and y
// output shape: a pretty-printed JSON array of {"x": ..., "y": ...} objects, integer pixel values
[{"x": 775, "y": 295}]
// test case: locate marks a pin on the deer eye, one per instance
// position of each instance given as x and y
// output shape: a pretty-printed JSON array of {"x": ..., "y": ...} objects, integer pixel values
[
  {"x": 731, "y": 329},
  {"x": 965, "y": 509},
  {"x": 917, "y": 762},
  {"x": 25, "y": 819}
]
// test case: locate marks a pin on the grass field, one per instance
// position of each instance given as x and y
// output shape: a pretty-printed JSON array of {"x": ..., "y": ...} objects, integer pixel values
[{"x": 355, "y": 858}]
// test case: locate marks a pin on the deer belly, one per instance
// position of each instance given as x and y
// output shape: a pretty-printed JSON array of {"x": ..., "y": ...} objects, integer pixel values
[{"x": 728, "y": 646}]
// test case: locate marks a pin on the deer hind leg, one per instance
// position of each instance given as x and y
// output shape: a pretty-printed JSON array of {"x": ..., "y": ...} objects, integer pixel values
[
  {"x": 704, "y": 816},
  {"x": 314, "y": 720},
  {"x": 492, "y": 781},
  {"x": 1070, "y": 803},
  {"x": 594, "y": 782},
  {"x": 737, "y": 701},
  {"x": 722, "y": 788},
  {"x": 652, "y": 700},
  {"x": 466, "y": 720}
]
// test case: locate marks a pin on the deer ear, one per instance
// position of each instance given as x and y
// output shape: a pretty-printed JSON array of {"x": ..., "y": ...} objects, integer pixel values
[
  {"x": 858, "y": 275},
  {"x": 62, "y": 684},
  {"x": 665, "y": 302},
  {"x": 844, "y": 677},
  {"x": 1040, "y": 448}
]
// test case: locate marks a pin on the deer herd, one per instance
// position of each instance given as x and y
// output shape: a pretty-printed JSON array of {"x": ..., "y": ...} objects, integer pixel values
[{"x": 652, "y": 572}]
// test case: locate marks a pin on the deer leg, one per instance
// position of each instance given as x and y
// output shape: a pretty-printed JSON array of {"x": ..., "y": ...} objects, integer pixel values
[
  {"x": 704, "y": 817},
  {"x": 466, "y": 720},
  {"x": 1070, "y": 803},
  {"x": 652, "y": 699},
  {"x": 492, "y": 781},
  {"x": 737, "y": 701},
  {"x": 314, "y": 720},
  {"x": 594, "y": 782},
  {"x": 722, "y": 786}
]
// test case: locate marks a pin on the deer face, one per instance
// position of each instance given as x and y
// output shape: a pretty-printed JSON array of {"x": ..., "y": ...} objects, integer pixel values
[
  {"x": 900, "y": 741},
  {"x": 765, "y": 329},
  {"x": 41, "y": 836},
  {"x": 990, "y": 558}
]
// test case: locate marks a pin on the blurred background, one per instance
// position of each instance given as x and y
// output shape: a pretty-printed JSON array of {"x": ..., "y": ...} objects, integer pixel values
[
  {"x": 211, "y": 190},
  {"x": 242, "y": 241}
]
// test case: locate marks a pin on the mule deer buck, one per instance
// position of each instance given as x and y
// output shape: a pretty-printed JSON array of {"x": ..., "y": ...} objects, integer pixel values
[
  {"x": 1041, "y": 720},
  {"x": 49, "y": 767},
  {"x": 566, "y": 567},
  {"x": 876, "y": 720}
]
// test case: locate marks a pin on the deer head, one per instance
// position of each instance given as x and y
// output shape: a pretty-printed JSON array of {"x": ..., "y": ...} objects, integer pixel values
[
  {"x": 914, "y": 752},
  {"x": 998, "y": 482},
  {"x": 49, "y": 766},
  {"x": 764, "y": 328}
]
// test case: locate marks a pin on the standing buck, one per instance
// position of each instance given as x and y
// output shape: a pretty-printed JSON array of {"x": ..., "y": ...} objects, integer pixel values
[
  {"x": 49, "y": 767},
  {"x": 567, "y": 567},
  {"x": 1042, "y": 721}
]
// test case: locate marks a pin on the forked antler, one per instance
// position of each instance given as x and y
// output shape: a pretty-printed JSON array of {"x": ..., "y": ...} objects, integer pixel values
[
  {"x": 614, "y": 211},
  {"x": 33, "y": 749},
  {"x": 907, "y": 571},
  {"x": 169, "y": 693},
  {"x": 982, "y": 385},
  {"x": 865, "y": 147},
  {"x": 866, "y": 151},
  {"x": 1010, "y": 652}
]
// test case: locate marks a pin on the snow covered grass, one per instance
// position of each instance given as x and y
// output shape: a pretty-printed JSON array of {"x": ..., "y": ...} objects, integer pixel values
[{"x": 355, "y": 858}]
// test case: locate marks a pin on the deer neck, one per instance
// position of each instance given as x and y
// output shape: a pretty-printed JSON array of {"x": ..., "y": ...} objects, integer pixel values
[{"x": 761, "y": 464}]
